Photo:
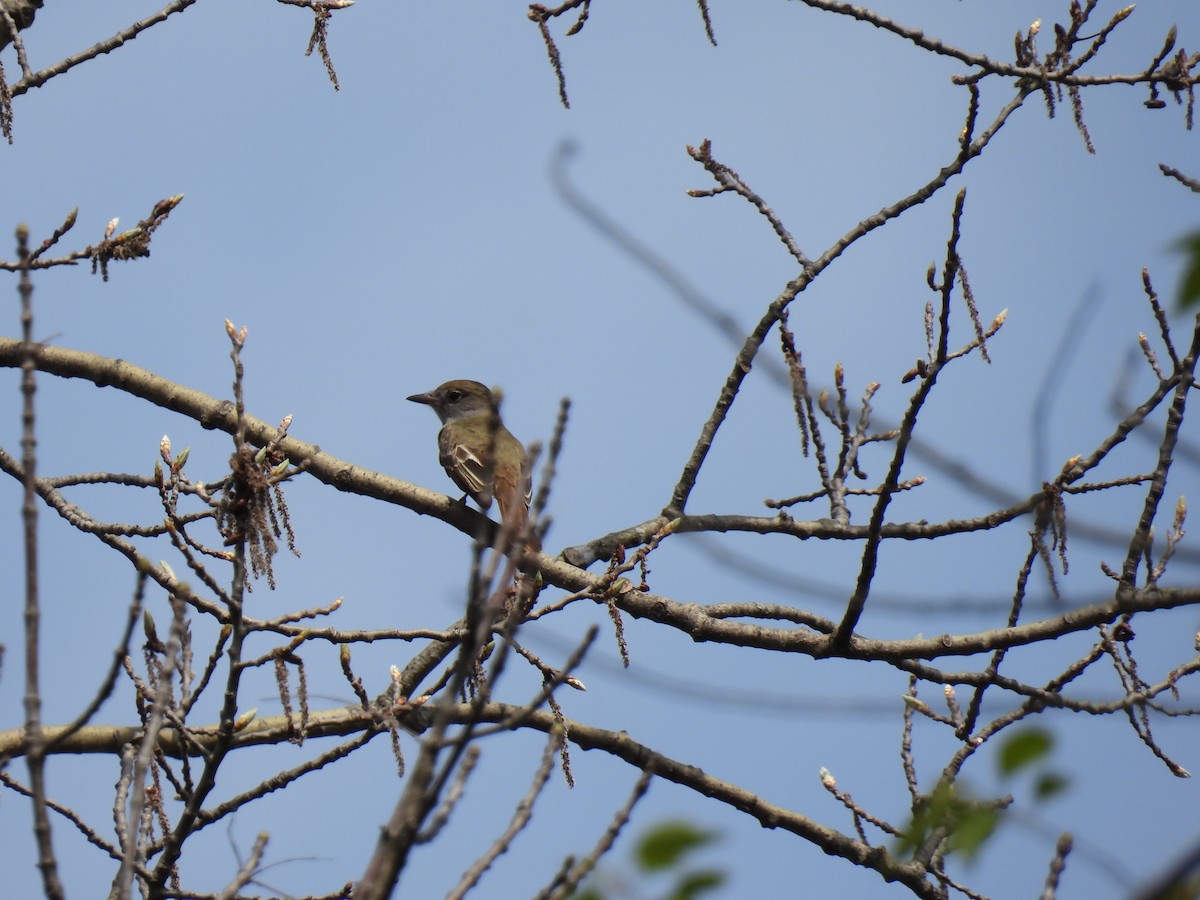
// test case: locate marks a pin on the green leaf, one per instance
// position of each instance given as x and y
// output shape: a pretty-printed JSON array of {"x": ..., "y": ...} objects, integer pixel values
[
  {"x": 693, "y": 884},
  {"x": 974, "y": 826},
  {"x": 1189, "y": 286},
  {"x": 1050, "y": 784},
  {"x": 667, "y": 844},
  {"x": 965, "y": 823},
  {"x": 1023, "y": 749}
]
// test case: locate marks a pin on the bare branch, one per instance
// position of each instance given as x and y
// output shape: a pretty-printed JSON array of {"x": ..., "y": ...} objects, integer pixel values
[{"x": 37, "y": 79}]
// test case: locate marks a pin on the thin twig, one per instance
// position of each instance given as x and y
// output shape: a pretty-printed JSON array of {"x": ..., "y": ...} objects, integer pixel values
[
  {"x": 520, "y": 819},
  {"x": 569, "y": 877}
]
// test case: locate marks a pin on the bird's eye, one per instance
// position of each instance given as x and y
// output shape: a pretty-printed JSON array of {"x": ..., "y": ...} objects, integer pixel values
[{"x": 454, "y": 396}]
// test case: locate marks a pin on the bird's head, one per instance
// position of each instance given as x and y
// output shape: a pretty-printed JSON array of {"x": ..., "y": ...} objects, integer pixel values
[{"x": 457, "y": 400}]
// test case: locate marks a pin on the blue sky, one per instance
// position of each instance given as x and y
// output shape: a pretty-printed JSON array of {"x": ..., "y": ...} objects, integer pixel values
[{"x": 405, "y": 230}]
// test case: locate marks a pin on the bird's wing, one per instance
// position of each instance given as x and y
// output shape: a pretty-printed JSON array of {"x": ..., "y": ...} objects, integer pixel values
[{"x": 465, "y": 467}]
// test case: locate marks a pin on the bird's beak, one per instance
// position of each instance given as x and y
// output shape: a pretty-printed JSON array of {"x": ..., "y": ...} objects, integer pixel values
[{"x": 426, "y": 398}]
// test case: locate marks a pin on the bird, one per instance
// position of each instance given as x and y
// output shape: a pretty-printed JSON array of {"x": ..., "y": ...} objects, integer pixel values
[{"x": 479, "y": 454}]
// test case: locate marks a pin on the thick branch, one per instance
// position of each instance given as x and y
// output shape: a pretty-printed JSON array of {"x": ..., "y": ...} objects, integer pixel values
[
  {"x": 617, "y": 743},
  {"x": 687, "y": 617}
]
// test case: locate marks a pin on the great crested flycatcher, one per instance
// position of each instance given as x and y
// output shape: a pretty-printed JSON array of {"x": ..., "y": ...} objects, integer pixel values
[{"x": 478, "y": 452}]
